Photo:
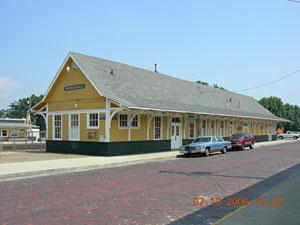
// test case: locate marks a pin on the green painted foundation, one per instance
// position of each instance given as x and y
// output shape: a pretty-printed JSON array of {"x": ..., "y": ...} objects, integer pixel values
[
  {"x": 263, "y": 138},
  {"x": 107, "y": 148},
  {"x": 120, "y": 148}
]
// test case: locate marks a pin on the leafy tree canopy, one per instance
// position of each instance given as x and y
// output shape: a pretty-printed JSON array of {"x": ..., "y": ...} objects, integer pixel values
[
  {"x": 283, "y": 110},
  {"x": 18, "y": 109},
  {"x": 207, "y": 84}
]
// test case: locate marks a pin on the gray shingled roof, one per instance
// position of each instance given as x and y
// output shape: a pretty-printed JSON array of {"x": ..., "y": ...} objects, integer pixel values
[{"x": 138, "y": 88}]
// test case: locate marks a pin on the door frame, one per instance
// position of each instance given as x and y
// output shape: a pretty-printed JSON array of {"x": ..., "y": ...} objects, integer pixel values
[
  {"x": 180, "y": 134},
  {"x": 69, "y": 130}
]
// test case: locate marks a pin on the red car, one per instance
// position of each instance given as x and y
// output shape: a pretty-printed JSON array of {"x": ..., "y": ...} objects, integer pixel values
[{"x": 241, "y": 141}]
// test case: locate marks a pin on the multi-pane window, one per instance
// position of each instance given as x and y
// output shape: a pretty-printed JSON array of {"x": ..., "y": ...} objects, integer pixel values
[
  {"x": 257, "y": 125},
  {"x": 212, "y": 127},
  {"x": 176, "y": 120},
  {"x": 57, "y": 127},
  {"x": 231, "y": 127},
  {"x": 93, "y": 120},
  {"x": 157, "y": 128},
  {"x": 192, "y": 128},
  {"x": 3, "y": 133},
  {"x": 203, "y": 128},
  {"x": 246, "y": 128},
  {"x": 123, "y": 120},
  {"x": 222, "y": 128},
  {"x": 270, "y": 128},
  {"x": 15, "y": 133},
  {"x": 135, "y": 121}
]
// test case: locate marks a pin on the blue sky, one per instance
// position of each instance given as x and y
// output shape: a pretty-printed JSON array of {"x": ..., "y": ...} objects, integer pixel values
[{"x": 235, "y": 44}]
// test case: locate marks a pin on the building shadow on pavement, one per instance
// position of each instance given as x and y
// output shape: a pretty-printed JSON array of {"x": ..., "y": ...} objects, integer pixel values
[{"x": 212, "y": 213}]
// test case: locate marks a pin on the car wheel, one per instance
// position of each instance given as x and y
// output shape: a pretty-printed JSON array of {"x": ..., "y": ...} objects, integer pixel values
[
  {"x": 207, "y": 152},
  {"x": 295, "y": 137},
  {"x": 280, "y": 137},
  {"x": 186, "y": 155},
  {"x": 252, "y": 146},
  {"x": 242, "y": 146},
  {"x": 224, "y": 150}
]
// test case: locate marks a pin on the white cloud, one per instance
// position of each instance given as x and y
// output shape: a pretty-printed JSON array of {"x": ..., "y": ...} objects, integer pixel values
[
  {"x": 8, "y": 90},
  {"x": 7, "y": 84}
]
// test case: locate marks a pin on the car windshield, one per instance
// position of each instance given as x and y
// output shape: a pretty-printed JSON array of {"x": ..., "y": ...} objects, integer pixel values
[
  {"x": 237, "y": 136},
  {"x": 202, "y": 139}
]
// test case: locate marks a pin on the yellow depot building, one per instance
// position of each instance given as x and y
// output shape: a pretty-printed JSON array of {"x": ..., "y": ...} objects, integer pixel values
[{"x": 99, "y": 107}]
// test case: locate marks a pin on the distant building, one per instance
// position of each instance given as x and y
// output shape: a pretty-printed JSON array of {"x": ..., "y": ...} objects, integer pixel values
[{"x": 17, "y": 130}]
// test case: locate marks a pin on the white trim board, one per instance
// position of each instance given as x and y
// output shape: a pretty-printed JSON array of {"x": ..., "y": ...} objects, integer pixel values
[
  {"x": 88, "y": 121},
  {"x": 53, "y": 127},
  {"x": 78, "y": 111}
]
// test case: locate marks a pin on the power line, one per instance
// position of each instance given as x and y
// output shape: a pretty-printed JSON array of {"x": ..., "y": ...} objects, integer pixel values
[
  {"x": 271, "y": 82},
  {"x": 293, "y": 1}
]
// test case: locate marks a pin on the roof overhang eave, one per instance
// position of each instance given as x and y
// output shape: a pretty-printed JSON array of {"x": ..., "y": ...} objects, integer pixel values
[{"x": 209, "y": 114}]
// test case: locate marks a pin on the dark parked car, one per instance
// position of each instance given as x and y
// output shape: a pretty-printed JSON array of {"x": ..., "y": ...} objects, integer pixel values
[{"x": 241, "y": 141}]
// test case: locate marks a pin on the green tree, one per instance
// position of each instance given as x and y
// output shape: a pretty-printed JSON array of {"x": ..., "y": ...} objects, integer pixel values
[
  {"x": 3, "y": 113},
  {"x": 273, "y": 104},
  {"x": 19, "y": 108},
  {"x": 202, "y": 82},
  {"x": 207, "y": 84},
  {"x": 286, "y": 111},
  {"x": 217, "y": 86}
]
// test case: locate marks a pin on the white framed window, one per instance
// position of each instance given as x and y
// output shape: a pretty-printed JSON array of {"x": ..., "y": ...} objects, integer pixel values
[
  {"x": 3, "y": 133},
  {"x": 15, "y": 133},
  {"x": 93, "y": 120},
  {"x": 222, "y": 128},
  {"x": 74, "y": 127},
  {"x": 231, "y": 127},
  {"x": 212, "y": 127},
  {"x": 135, "y": 123},
  {"x": 157, "y": 128},
  {"x": 246, "y": 127},
  {"x": 192, "y": 127},
  {"x": 57, "y": 127},
  {"x": 203, "y": 128},
  {"x": 123, "y": 121}
]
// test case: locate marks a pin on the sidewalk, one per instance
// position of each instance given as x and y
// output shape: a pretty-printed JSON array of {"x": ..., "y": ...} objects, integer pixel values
[
  {"x": 272, "y": 213},
  {"x": 15, "y": 170}
]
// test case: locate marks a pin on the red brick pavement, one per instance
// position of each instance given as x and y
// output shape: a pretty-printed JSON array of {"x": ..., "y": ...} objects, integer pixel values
[{"x": 151, "y": 193}]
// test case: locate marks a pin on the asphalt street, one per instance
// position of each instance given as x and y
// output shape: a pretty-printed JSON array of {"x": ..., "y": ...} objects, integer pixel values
[
  {"x": 280, "y": 205},
  {"x": 151, "y": 193}
]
